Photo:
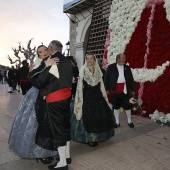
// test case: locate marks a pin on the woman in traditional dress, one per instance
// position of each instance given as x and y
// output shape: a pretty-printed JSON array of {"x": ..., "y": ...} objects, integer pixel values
[
  {"x": 92, "y": 120},
  {"x": 24, "y": 128}
]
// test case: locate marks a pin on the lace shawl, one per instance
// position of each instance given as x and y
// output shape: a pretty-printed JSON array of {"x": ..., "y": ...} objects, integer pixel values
[
  {"x": 37, "y": 62},
  {"x": 92, "y": 79}
]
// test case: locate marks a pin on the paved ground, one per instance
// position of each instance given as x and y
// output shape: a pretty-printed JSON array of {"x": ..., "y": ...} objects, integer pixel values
[{"x": 146, "y": 147}]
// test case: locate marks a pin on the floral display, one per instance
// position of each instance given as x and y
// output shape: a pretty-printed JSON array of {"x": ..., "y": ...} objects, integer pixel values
[
  {"x": 141, "y": 30},
  {"x": 167, "y": 7},
  {"x": 123, "y": 20},
  {"x": 107, "y": 43},
  {"x": 160, "y": 117}
]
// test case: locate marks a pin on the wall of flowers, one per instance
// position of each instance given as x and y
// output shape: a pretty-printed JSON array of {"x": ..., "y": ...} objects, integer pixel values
[{"x": 141, "y": 30}]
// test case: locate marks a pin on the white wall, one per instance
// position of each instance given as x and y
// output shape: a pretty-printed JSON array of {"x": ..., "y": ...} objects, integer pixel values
[{"x": 83, "y": 25}]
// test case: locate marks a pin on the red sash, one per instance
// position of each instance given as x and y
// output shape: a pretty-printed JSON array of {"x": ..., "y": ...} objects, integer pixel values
[
  {"x": 119, "y": 88},
  {"x": 24, "y": 80},
  {"x": 58, "y": 95}
]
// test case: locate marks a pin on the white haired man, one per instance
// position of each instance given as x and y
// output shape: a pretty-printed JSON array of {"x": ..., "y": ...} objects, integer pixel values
[{"x": 120, "y": 84}]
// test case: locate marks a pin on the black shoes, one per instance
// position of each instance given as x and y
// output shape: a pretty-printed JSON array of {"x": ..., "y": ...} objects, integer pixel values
[
  {"x": 44, "y": 160},
  {"x": 59, "y": 168},
  {"x": 50, "y": 158},
  {"x": 68, "y": 160},
  {"x": 52, "y": 166},
  {"x": 93, "y": 144},
  {"x": 131, "y": 125},
  {"x": 116, "y": 125}
]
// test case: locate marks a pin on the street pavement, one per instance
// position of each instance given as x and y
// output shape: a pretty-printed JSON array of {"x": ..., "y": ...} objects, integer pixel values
[{"x": 145, "y": 147}]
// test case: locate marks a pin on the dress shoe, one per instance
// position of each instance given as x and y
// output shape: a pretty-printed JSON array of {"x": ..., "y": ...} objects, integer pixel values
[
  {"x": 68, "y": 160},
  {"x": 93, "y": 144},
  {"x": 131, "y": 125},
  {"x": 52, "y": 166},
  {"x": 44, "y": 160},
  {"x": 116, "y": 125},
  {"x": 59, "y": 168},
  {"x": 50, "y": 158}
]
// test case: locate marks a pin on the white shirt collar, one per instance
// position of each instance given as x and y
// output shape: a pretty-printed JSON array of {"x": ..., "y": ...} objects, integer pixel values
[{"x": 120, "y": 66}]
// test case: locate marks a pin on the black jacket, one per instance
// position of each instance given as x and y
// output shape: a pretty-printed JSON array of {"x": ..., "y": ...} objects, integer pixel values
[
  {"x": 111, "y": 77},
  {"x": 47, "y": 82},
  {"x": 75, "y": 71},
  {"x": 11, "y": 74},
  {"x": 22, "y": 73}
]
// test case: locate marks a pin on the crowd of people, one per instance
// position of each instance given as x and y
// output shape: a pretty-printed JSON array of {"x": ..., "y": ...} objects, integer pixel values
[
  {"x": 62, "y": 104},
  {"x": 16, "y": 78},
  {"x": 9, "y": 75}
]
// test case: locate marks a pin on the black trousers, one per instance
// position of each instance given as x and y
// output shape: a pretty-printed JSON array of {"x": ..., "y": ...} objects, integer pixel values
[
  {"x": 25, "y": 86},
  {"x": 59, "y": 120},
  {"x": 44, "y": 137},
  {"x": 10, "y": 82},
  {"x": 120, "y": 100}
]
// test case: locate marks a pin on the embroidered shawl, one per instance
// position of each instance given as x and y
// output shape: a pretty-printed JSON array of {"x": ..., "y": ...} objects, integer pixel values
[{"x": 92, "y": 79}]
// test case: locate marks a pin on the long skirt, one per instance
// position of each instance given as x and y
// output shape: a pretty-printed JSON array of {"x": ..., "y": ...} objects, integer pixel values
[
  {"x": 79, "y": 134},
  {"x": 24, "y": 128}
]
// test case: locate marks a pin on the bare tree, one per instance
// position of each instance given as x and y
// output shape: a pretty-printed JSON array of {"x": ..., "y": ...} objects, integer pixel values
[
  {"x": 16, "y": 53},
  {"x": 28, "y": 52}
]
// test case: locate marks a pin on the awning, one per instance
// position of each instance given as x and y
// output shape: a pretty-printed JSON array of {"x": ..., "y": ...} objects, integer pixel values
[{"x": 79, "y": 6}]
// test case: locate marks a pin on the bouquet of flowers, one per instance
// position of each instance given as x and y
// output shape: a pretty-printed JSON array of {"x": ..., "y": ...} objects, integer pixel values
[{"x": 134, "y": 100}]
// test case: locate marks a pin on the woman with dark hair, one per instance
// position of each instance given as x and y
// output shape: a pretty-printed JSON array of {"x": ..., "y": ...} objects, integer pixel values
[
  {"x": 24, "y": 128},
  {"x": 92, "y": 120}
]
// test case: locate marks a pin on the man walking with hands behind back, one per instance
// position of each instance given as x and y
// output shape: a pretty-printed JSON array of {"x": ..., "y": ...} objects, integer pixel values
[
  {"x": 54, "y": 82},
  {"x": 120, "y": 84}
]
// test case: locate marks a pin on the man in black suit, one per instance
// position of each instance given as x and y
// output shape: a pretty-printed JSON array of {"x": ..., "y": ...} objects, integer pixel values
[
  {"x": 23, "y": 77},
  {"x": 120, "y": 84},
  {"x": 54, "y": 82}
]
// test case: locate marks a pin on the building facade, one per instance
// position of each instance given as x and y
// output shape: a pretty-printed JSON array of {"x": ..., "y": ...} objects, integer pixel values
[{"x": 80, "y": 19}]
